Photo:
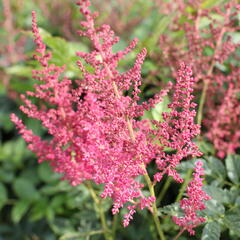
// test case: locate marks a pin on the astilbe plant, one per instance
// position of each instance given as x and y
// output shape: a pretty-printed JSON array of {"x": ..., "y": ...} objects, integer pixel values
[
  {"x": 208, "y": 46},
  {"x": 96, "y": 129}
]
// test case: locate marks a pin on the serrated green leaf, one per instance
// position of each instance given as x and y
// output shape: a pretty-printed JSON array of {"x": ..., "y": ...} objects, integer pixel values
[
  {"x": 233, "y": 168},
  {"x": 3, "y": 195},
  {"x": 232, "y": 221},
  {"x": 171, "y": 210},
  {"x": 216, "y": 167},
  {"x": 219, "y": 194},
  {"x": 237, "y": 202},
  {"x": 213, "y": 210},
  {"x": 211, "y": 231},
  {"x": 18, "y": 210}
]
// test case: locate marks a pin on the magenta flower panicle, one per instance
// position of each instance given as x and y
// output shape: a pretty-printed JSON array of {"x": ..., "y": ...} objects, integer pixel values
[
  {"x": 178, "y": 128},
  {"x": 194, "y": 203}
]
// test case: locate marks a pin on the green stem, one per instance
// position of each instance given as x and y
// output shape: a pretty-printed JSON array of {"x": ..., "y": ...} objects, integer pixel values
[
  {"x": 107, "y": 233},
  {"x": 179, "y": 234},
  {"x": 202, "y": 102},
  {"x": 164, "y": 190},
  {"x": 154, "y": 208},
  {"x": 184, "y": 185},
  {"x": 114, "y": 228}
]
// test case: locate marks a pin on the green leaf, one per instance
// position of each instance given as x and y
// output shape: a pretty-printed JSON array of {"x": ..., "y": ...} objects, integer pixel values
[
  {"x": 19, "y": 150},
  {"x": 147, "y": 115},
  {"x": 205, "y": 147},
  {"x": 208, "y": 51},
  {"x": 25, "y": 189},
  {"x": 5, "y": 122},
  {"x": 235, "y": 36},
  {"x": 56, "y": 43},
  {"x": 219, "y": 194},
  {"x": 171, "y": 210},
  {"x": 160, "y": 108},
  {"x": 19, "y": 209},
  {"x": 22, "y": 86},
  {"x": 46, "y": 174},
  {"x": 216, "y": 167},
  {"x": 233, "y": 168},
  {"x": 57, "y": 202},
  {"x": 3, "y": 195},
  {"x": 232, "y": 221},
  {"x": 64, "y": 53},
  {"x": 211, "y": 231},
  {"x": 159, "y": 28},
  {"x": 30, "y": 173},
  {"x": 13, "y": 151},
  {"x": 221, "y": 67},
  {"x": 149, "y": 66},
  {"x": 213, "y": 210},
  {"x": 39, "y": 209},
  {"x": 6, "y": 175},
  {"x": 204, "y": 22}
]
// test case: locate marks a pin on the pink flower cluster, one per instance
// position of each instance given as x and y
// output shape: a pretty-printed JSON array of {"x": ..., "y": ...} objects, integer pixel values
[
  {"x": 95, "y": 127},
  {"x": 225, "y": 132},
  {"x": 178, "y": 128},
  {"x": 194, "y": 203}
]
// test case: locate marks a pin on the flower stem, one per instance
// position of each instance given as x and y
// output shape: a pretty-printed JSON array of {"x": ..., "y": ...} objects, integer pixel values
[
  {"x": 164, "y": 190},
  {"x": 114, "y": 225},
  {"x": 154, "y": 207},
  {"x": 202, "y": 102},
  {"x": 179, "y": 234},
  {"x": 107, "y": 233},
  {"x": 184, "y": 185}
]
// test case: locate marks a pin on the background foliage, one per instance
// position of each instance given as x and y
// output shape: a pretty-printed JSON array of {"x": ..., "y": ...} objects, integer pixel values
[{"x": 34, "y": 203}]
